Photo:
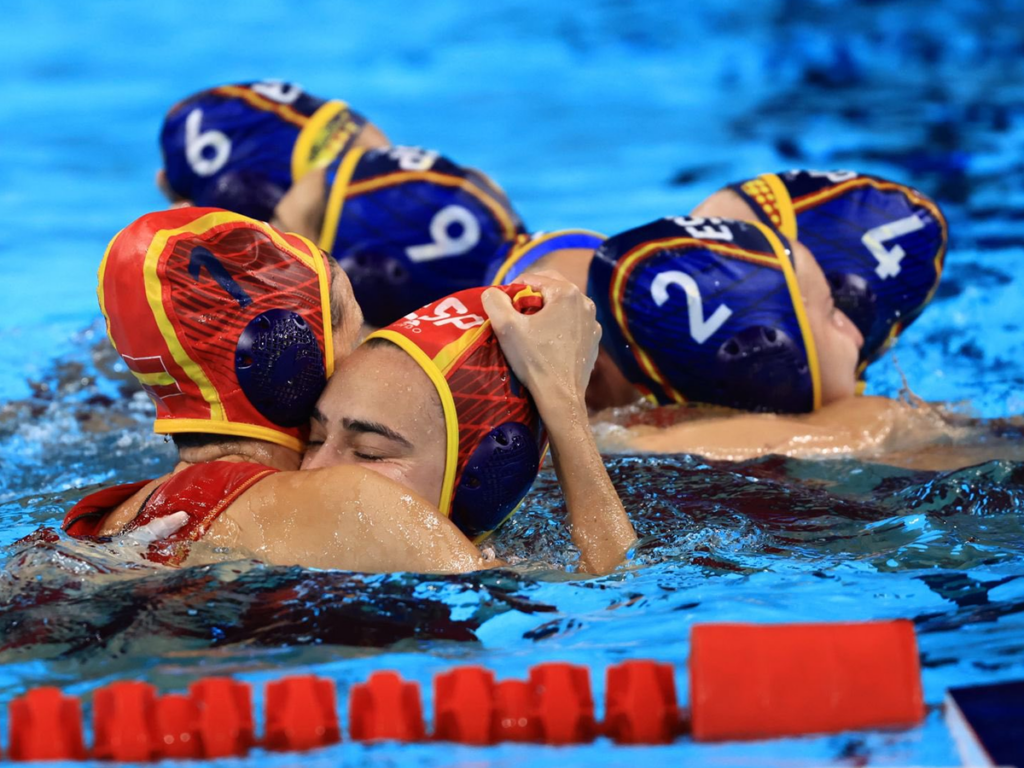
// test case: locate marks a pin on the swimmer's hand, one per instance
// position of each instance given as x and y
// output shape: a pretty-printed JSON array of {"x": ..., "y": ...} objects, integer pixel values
[
  {"x": 155, "y": 530},
  {"x": 553, "y": 350},
  {"x": 553, "y": 353}
]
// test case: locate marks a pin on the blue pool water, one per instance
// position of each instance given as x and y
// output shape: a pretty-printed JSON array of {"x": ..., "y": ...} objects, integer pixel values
[{"x": 603, "y": 117}]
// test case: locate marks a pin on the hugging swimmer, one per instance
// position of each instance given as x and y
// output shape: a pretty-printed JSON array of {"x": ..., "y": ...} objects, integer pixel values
[{"x": 233, "y": 329}]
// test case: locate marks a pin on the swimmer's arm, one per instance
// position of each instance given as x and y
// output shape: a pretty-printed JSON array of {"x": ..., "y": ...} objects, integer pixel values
[
  {"x": 301, "y": 210},
  {"x": 348, "y": 518},
  {"x": 600, "y": 527},
  {"x": 857, "y": 425},
  {"x": 553, "y": 352}
]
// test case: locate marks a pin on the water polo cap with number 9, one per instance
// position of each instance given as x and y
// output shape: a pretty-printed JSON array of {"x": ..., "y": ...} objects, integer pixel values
[
  {"x": 224, "y": 321},
  {"x": 409, "y": 226},
  {"x": 707, "y": 311}
]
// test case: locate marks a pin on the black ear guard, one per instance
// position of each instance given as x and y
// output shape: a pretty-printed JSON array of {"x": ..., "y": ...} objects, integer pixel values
[
  {"x": 855, "y": 299},
  {"x": 761, "y": 369},
  {"x": 497, "y": 476},
  {"x": 280, "y": 367}
]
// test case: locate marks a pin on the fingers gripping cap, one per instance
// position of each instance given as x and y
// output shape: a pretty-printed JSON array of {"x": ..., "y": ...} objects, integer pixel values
[
  {"x": 223, "y": 320},
  {"x": 882, "y": 245},
  {"x": 707, "y": 310},
  {"x": 494, "y": 432}
]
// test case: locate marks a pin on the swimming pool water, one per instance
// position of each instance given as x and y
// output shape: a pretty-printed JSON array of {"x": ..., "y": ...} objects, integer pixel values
[{"x": 604, "y": 117}]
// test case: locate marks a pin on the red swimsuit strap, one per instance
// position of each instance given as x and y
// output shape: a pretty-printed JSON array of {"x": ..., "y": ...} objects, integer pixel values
[{"x": 203, "y": 492}]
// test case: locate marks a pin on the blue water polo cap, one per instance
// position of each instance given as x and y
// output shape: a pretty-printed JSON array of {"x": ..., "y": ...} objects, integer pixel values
[
  {"x": 881, "y": 245},
  {"x": 709, "y": 311},
  {"x": 409, "y": 226},
  {"x": 528, "y": 250}
]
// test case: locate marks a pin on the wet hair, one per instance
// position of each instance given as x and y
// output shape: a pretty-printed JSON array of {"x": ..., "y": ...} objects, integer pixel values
[{"x": 336, "y": 308}]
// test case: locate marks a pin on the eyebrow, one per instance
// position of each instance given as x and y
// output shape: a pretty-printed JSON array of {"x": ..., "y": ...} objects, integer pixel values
[{"x": 373, "y": 427}]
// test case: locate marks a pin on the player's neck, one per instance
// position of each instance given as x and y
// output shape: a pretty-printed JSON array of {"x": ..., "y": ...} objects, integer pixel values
[{"x": 256, "y": 451}]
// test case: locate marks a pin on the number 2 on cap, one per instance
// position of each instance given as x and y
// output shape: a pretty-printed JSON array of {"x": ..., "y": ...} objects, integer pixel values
[{"x": 701, "y": 329}]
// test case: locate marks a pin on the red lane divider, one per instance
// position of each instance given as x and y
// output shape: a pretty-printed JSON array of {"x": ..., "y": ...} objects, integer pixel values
[
  {"x": 385, "y": 708},
  {"x": 124, "y": 723},
  {"x": 176, "y": 727},
  {"x": 464, "y": 706},
  {"x": 640, "y": 703},
  {"x": 751, "y": 681},
  {"x": 746, "y": 682},
  {"x": 301, "y": 714},
  {"x": 224, "y": 724},
  {"x": 514, "y": 713},
  {"x": 564, "y": 705},
  {"x": 45, "y": 725}
]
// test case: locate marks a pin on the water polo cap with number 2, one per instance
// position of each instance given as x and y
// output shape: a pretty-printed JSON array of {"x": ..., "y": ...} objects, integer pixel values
[
  {"x": 495, "y": 438},
  {"x": 224, "y": 321},
  {"x": 707, "y": 311}
]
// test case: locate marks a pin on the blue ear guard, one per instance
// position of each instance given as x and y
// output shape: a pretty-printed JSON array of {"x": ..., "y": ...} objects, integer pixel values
[
  {"x": 280, "y": 367},
  {"x": 756, "y": 369},
  {"x": 384, "y": 278},
  {"x": 246, "y": 192},
  {"x": 497, "y": 476},
  {"x": 855, "y": 299}
]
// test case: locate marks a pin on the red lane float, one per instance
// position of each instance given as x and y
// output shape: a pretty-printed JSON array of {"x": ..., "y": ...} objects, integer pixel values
[
  {"x": 750, "y": 681},
  {"x": 640, "y": 703},
  {"x": 564, "y": 705},
  {"x": 464, "y": 706},
  {"x": 300, "y": 714},
  {"x": 124, "y": 723},
  {"x": 45, "y": 725},
  {"x": 515, "y": 717},
  {"x": 224, "y": 717},
  {"x": 385, "y": 708},
  {"x": 176, "y": 727}
]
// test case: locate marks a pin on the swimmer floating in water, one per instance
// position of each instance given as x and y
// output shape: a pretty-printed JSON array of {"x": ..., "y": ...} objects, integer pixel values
[
  {"x": 686, "y": 291},
  {"x": 232, "y": 328},
  {"x": 241, "y": 147}
]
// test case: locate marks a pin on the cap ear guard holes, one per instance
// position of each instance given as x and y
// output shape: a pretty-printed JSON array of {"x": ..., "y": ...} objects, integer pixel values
[{"x": 280, "y": 367}]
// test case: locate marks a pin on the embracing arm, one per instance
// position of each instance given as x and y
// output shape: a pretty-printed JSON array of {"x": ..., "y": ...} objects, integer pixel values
[
  {"x": 553, "y": 352},
  {"x": 345, "y": 517}
]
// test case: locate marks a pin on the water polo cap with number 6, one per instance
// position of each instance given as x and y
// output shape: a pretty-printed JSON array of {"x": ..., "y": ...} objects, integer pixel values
[{"x": 241, "y": 147}]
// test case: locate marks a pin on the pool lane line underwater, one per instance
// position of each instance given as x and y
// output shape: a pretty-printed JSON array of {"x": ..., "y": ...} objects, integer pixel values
[{"x": 747, "y": 681}]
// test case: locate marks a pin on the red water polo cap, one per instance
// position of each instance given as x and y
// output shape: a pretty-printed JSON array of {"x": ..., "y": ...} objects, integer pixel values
[{"x": 224, "y": 321}]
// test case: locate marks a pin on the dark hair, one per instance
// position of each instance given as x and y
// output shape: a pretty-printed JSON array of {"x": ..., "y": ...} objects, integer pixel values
[
  {"x": 336, "y": 308},
  {"x": 200, "y": 440}
]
